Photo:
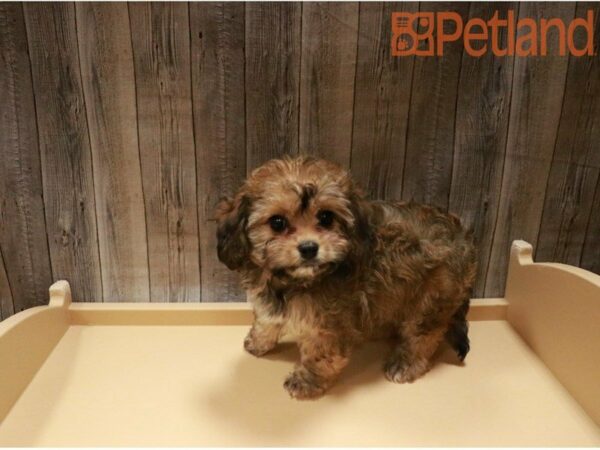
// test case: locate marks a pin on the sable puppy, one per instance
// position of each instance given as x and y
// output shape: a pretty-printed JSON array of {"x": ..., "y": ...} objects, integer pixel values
[{"x": 319, "y": 261}]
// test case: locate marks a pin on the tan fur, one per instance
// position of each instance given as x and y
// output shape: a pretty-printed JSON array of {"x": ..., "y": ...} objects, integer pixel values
[{"x": 397, "y": 270}]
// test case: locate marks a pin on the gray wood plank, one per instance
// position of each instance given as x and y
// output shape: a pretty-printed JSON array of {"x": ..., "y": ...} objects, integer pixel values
[
  {"x": 590, "y": 257},
  {"x": 217, "y": 43},
  {"x": 161, "y": 50},
  {"x": 64, "y": 146},
  {"x": 428, "y": 165},
  {"x": 381, "y": 100},
  {"x": 538, "y": 87},
  {"x": 109, "y": 88},
  {"x": 329, "y": 41},
  {"x": 272, "y": 80},
  {"x": 482, "y": 111},
  {"x": 22, "y": 225},
  {"x": 7, "y": 307},
  {"x": 576, "y": 161}
]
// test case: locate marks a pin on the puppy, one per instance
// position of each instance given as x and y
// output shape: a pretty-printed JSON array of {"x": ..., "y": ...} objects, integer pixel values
[{"x": 319, "y": 261}]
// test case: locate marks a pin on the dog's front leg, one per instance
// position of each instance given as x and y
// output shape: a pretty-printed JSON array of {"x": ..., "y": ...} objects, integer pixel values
[
  {"x": 265, "y": 331},
  {"x": 263, "y": 335},
  {"x": 322, "y": 359}
]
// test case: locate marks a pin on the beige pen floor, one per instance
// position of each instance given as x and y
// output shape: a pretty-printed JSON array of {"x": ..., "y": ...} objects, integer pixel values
[{"x": 194, "y": 386}]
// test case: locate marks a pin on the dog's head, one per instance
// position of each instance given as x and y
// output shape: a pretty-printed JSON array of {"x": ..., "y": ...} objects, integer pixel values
[{"x": 300, "y": 218}]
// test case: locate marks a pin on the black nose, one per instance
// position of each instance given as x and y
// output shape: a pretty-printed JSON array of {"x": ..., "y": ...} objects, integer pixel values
[{"x": 308, "y": 249}]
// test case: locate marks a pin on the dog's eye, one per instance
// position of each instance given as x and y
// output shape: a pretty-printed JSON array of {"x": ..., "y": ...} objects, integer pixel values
[
  {"x": 278, "y": 223},
  {"x": 325, "y": 218}
]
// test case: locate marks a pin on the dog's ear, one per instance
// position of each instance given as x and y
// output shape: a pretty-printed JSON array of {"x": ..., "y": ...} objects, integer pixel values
[
  {"x": 233, "y": 246},
  {"x": 362, "y": 212},
  {"x": 362, "y": 234}
]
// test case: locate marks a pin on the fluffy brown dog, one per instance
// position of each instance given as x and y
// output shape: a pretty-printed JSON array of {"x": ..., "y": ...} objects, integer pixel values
[{"x": 319, "y": 261}]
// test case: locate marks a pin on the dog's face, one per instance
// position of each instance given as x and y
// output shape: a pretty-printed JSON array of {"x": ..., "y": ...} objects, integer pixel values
[{"x": 296, "y": 218}]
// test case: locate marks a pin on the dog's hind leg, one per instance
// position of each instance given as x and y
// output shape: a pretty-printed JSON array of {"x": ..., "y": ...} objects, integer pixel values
[
  {"x": 457, "y": 334},
  {"x": 411, "y": 357}
]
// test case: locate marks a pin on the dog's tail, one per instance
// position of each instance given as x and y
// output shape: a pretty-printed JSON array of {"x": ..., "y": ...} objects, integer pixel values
[{"x": 457, "y": 334}]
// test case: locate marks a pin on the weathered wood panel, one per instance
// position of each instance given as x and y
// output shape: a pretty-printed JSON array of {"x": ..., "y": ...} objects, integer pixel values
[
  {"x": 149, "y": 113},
  {"x": 329, "y": 41},
  {"x": 161, "y": 51},
  {"x": 381, "y": 100},
  {"x": 109, "y": 88},
  {"x": 482, "y": 111},
  {"x": 65, "y": 149},
  {"x": 537, "y": 94},
  {"x": 428, "y": 164},
  {"x": 217, "y": 33},
  {"x": 7, "y": 307},
  {"x": 576, "y": 161},
  {"x": 272, "y": 80},
  {"x": 22, "y": 225},
  {"x": 590, "y": 258}
]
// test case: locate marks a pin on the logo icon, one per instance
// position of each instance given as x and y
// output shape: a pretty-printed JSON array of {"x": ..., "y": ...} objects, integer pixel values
[{"x": 412, "y": 34}]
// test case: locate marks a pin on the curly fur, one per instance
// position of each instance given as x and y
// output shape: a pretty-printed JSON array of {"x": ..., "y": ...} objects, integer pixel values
[{"x": 398, "y": 270}]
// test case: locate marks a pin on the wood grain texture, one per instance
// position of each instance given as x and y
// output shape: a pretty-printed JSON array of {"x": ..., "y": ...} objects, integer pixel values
[
  {"x": 217, "y": 43},
  {"x": 23, "y": 239},
  {"x": 122, "y": 125},
  {"x": 161, "y": 51},
  {"x": 429, "y": 149},
  {"x": 428, "y": 164},
  {"x": 272, "y": 77},
  {"x": 65, "y": 148},
  {"x": 537, "y": 95},
  {"x": 109, "y": 89},
  {"x": 576, "y": 161},
  {"x": 7, "y": 307},
  {"x": 590, "y": 257},
  {"x": 482, "y": 112},
  {"x": 381, "y": 100},
  {"x": 329, "y": 41}
]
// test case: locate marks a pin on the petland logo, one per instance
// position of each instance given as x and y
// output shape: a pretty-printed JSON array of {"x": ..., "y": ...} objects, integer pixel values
[{"x": 413, "y": 34}]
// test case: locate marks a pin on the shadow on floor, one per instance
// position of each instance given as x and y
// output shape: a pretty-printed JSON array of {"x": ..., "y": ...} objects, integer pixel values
[{"x": 251, "y": 396}]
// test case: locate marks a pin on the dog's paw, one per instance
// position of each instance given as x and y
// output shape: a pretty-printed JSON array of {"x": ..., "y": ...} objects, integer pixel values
[
  {"x": 301, "y": 385},
  {"x": 398, "y": 371},
  {"x": 257, "y": 347}
]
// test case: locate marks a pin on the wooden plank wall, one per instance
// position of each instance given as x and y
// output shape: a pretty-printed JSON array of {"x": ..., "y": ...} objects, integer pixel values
[
  {"x": 122, "y": 125},
  {"x": 161, "y": 52},
  {"x": 23, "y": 237}
]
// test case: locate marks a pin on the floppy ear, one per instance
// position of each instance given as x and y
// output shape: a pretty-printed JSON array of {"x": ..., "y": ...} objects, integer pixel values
[
  {"x": 233, "y": 246},
  {"x": 362, "y": 234},
  {"x": 361, "y": 211}
]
